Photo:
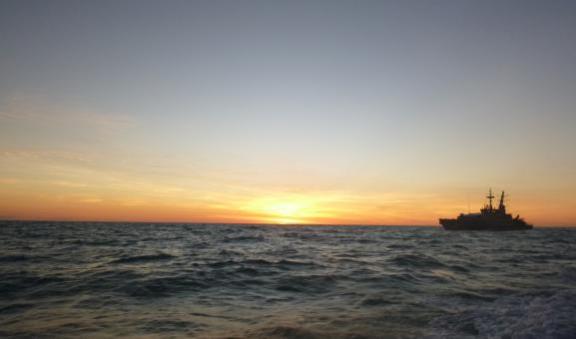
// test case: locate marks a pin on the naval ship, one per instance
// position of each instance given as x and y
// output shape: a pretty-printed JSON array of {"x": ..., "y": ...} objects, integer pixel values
[{"x": 489, "y": 219}]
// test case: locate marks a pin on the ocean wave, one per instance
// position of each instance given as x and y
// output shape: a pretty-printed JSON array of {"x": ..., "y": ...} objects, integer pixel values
[
  {"x": 307, "y": 283},
  {"x": 377, "y": 301},
  {"x": 15, "y": 308},
  {"x": 18, "y": 258},
  {"x": 143, "y": 258},
  {"x": 468, "y": 295},
  {"x": 568, "y": 275},
  {"x": 294, "y": 332},
  {"x": 244, "y": 238},
  {"x": 416, "y": 260},
  {"x": 280, "y": 264},
  {"x": 166, "y": 326},
  {"x": 27, "y": 284},
  {"x": 163, "y": 287},
  {"x": 524, "y": 316}
]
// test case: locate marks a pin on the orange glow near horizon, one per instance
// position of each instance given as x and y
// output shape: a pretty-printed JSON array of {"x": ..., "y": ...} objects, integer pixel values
[
  {"x": 109, "y": 212},
  {"x": 268, "y": 208},
  {"x": 52, "y": 186}
]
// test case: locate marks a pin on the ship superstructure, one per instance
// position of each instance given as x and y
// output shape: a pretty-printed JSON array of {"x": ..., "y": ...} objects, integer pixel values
[{"x": 489, "y": 219}]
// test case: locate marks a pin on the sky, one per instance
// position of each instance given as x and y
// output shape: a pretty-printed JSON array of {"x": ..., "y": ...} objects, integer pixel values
[{"x": 316, "y": 112}]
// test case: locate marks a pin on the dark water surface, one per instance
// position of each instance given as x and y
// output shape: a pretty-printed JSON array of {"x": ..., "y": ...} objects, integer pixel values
[{"x": 61, "y": 279}]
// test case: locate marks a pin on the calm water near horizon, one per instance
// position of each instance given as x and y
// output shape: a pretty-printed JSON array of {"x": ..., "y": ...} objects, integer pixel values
[{"x": 63, "y": 279}]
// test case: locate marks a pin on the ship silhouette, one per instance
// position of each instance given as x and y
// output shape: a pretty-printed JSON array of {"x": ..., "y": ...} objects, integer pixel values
[{"x": 489, "y": 219}]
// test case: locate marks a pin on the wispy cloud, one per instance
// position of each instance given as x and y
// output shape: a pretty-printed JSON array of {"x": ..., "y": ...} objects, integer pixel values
[
  {"x": 36, "y": 111},
  {"x": 9, "y": 181},
  {"x": 56, "y": 155}
]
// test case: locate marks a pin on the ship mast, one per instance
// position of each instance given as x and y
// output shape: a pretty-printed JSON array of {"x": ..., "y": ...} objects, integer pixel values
[{"x": 490, "y": 197}]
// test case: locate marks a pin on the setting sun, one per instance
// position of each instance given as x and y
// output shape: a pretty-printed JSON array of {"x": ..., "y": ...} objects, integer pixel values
[{"x": 286, "y": 210}]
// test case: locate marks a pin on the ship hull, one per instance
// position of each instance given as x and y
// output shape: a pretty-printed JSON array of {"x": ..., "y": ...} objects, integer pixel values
[{"x": 482, "y": 224}]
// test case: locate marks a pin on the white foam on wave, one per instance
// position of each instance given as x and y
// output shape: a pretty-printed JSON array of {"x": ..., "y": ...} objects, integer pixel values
[{"x": 525, "y": 316}]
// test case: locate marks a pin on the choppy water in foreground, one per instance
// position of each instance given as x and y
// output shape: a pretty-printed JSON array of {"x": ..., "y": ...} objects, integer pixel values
[{"x": 221, "y": 281}]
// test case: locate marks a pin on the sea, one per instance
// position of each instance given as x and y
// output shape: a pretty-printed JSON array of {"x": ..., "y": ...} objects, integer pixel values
[{"x": 153, "y": 280}]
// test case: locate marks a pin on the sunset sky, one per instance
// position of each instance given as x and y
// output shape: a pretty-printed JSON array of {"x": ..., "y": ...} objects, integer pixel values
[{"x": 332, "y": 112}]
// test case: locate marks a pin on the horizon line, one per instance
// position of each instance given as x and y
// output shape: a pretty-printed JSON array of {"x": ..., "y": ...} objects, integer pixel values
[
  {"x": 210, "y": 223},
  {"x": 240, "y": 223}
]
